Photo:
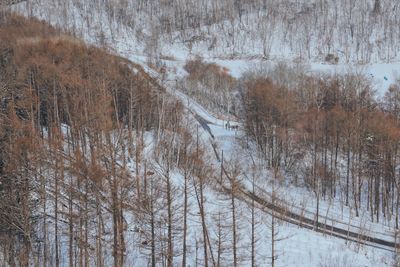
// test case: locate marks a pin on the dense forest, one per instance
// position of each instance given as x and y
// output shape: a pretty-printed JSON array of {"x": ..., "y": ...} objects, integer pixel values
[
  {"x": 71, "y": 118},
  {"x": 346, "y": 30},
  {"x": 129, "y": 137},
  {"x": 329, "y": 133},
  {"x": 348, "y": 138}
]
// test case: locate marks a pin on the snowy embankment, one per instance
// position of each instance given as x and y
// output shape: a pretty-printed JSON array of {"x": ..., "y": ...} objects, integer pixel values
[{"x": 330, "y": 214}]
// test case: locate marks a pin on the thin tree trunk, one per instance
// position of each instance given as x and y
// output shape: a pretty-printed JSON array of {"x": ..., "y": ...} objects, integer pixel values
[
  {"x": 253, "y": 242},
  {"x": 56, "y": 216},
  {"x": 273, "y": 231},
  {"x": 152, "y": 223},
  {"x": 233, "y": 206},
  {"x": 348, "y": 173},
  {"x": 185, "y": 208},
  {"x": 169, "y": 206},
  {"x": 99, "y": 244},
  {"x": 203, "y": 223},
  {"x": 219, "y": 246}
]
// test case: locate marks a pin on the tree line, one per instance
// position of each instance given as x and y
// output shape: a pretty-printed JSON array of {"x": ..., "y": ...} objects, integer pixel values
[
  {"x": 100, "y": 167},
  {"x": 330, "y": 133},
  {"x": 348, "y": 31},
  {"x": 72, "y": 116}
]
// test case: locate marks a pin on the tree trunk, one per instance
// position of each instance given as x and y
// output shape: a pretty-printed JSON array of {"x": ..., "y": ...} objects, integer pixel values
[
  {"x": 253, "y": 241},
  {"x": 234, "y": 237},
  {"x": 169, "y": 206},
  {"x": 185, "y": 209}
]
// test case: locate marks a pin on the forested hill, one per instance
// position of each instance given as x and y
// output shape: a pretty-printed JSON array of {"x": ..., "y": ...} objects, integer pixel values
[
  {"x": 63, "y": 104},
  {"x": 199, "y": 133}
]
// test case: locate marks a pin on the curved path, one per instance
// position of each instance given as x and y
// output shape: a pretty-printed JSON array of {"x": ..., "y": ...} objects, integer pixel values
[{"x": 354, "y": 233}]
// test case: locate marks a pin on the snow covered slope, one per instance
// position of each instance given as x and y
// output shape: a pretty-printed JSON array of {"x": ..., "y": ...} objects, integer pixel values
[{"x": 299, "y": 247}]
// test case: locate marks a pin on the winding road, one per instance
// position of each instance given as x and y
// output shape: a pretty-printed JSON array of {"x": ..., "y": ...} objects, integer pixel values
[{"x": 280, "y": 209}]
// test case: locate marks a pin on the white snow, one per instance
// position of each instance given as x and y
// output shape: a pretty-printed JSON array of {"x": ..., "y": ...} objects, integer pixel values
[{"x": 299, "y": 247}]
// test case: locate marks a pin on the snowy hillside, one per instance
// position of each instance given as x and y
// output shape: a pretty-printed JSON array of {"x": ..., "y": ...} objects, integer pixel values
[
  {"x": 329, "y": 36},
  {"x": 193, "y": 186}
]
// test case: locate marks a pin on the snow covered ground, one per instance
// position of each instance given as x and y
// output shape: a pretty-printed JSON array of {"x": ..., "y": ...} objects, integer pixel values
[
  {"x": 299, "y": 247},
  {"x": 173, "y": 52}
]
